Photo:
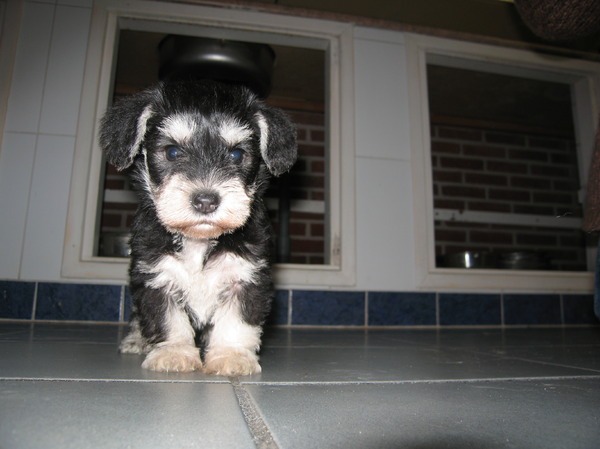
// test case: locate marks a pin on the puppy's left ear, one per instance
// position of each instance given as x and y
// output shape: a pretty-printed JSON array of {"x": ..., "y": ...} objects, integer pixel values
[{"x": 278, "y": 145}]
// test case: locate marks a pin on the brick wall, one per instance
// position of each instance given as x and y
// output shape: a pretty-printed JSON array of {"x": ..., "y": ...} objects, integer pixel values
[
  {"x": 307, "y": 182},
  {"x": 485, "y": 170}
]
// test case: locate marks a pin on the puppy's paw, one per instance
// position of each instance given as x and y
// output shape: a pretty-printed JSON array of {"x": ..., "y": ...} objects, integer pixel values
[
  {"x": 134, "y": 342},
  {"x": 231, "y": 362},
  {"x": 173, "y": 358}
]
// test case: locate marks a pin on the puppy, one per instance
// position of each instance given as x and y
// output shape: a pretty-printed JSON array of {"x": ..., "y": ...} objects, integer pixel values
[{"x": 200, "y": 155}]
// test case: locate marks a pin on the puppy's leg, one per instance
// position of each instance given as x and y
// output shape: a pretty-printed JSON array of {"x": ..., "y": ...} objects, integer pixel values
[
  {"x": 232, "y": 344},
  {"x": 178, "y": 352},
  {"x": 134, "y": 342}
]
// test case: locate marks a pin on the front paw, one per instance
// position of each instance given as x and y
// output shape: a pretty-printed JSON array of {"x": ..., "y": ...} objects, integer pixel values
[
  {"x": 173, "y": 358},
  {"x": 231, "y": 362}
]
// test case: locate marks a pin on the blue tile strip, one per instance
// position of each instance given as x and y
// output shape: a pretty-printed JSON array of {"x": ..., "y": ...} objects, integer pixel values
[{"x": 112, "y": 303}]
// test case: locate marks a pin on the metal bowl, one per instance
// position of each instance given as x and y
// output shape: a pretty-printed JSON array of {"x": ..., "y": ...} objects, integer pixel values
[
  {"x": 115, "y": 244},
  {"x": 469, "y": 259},
  {"x": 187, "y": 58}
]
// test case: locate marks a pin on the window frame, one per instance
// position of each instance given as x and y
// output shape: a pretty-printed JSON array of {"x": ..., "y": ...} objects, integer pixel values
[
  {"x": 584, "y": 78},
  {"x": 108, "y": 18}
]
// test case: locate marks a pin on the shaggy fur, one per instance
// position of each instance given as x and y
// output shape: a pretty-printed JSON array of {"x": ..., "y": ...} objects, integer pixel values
[{"x": 200, "y": 155}]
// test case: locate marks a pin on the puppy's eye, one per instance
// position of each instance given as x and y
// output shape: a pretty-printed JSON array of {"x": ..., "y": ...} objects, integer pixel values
[
  {"x": 236, "y": 155},
  {"x": 172, "y": 153}
]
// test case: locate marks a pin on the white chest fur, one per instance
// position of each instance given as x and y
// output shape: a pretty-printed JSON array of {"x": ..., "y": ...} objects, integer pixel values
[{"x": 201, "y": 286}]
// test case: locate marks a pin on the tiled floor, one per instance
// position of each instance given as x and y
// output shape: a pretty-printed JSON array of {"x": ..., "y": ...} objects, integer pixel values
[{"x": 65, "y": 386}]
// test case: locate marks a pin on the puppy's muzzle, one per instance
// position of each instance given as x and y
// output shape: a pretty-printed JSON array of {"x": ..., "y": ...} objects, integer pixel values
[{"x": 206, "y": 202}]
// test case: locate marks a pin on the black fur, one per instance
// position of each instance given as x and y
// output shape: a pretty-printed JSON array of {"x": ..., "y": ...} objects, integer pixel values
[{"x": 133, "y": 137}]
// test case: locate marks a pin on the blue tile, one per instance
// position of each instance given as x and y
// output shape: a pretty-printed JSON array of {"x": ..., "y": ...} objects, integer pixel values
[
  {"x": 16, "y": 299},
  {"x": 279, "y": 309},
  {"x": 401, "y": 308},
  {"x": 531, "y": 309},
  {"x": 328, "y": 308},
  {"x": 579, "y": 309},
  {"x": 78, "y": 302},
  {"x": 469, "y": 309}
]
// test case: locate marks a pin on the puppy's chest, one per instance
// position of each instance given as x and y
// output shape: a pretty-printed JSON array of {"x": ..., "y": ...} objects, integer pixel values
[{"x": 199, "y": 282}]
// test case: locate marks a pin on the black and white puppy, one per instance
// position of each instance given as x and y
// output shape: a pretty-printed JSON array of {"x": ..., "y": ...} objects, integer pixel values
[{"x": 200, "y": 155}]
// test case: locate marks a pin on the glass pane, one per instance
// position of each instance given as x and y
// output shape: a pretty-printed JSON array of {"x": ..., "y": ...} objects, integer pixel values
[{"x": 505, "y": 172}]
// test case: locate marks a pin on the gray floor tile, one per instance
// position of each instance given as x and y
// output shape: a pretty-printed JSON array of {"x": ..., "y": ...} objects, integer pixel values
[
  {"x": 395, "y": 363},
  {"x": 96, "y": 415},
  {"x": 510, "y": 414},
  {"x": 66, "y": 360}
]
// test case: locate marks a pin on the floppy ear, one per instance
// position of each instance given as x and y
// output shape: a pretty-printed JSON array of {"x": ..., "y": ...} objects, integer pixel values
[
  {"x": 124, "y": 125},
  {"x": 277, "y": 140}
]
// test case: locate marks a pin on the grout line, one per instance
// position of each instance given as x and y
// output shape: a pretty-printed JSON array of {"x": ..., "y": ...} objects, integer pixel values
[
  {"x": 367, "y": 309},
  {"x": 242, "y": 394},
  {"x": 35, "y": 298},
  {"x": 426, "y": 381},
  {"x": 290, "y": 307},
  {"x": 263, "y": 439},
  {"x": 437, "y": 309}
]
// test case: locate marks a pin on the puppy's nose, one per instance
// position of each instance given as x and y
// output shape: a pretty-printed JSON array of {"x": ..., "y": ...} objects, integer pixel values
[{"x": 206, "y": 202}]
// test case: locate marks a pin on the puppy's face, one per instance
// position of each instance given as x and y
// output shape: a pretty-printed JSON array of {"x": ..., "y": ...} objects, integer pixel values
[
  {"x": 202, "y": 153},
  {"x": 203, "y": 172}
]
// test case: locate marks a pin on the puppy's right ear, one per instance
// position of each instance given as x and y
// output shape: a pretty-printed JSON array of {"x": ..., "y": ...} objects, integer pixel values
[{"x": 124, "y": 126}]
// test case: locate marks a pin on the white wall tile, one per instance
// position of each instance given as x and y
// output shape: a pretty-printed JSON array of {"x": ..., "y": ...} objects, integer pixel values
[
  {"x": 62, "y": 90},
  {"x": 382, "y": 127},
  {"x": 16, "y": 166},
  {"x": 384, "y": 209},
  {"x": 25, "y": 100},
  {"x": 46, "y": 218}
]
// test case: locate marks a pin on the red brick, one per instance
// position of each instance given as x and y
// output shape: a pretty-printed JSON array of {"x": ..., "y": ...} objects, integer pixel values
[
  {"x": 463, "y": 191},
  {"x": 550, "y": 170},
  {"x": 111, "y": 220},
  {"x": 306, "y": 216},
  {"x": 530, "y": 183},
  {"x": 317, "y": 196},
  {"x": 532, "y": 209},
  {"x": 464, "y": 163},
  {"x": 509, "y": 195},
  {"x": 555, "y": 144},
  {"x": 317, "y": 166},
  {"x": 299, "y": 181},
  {"x": 491, "y": 237},
  {"x": 317, "y": 135},
  {"x": 298, "y": 229},
  {"x": 445, "y": 235},
  {"x": 484, "y": 151},
  {"x": 528, "y": 155},
  {"x": 114, "y": 184},
  {"x": 311, "y": 150},
  {"x": 513, "y": 139},
  {"x": 484, "y": 179},
  {"x": 120, "y": 206},
  {"x": 447, "y": 176},
  {"x": 301, "y": 134},
  {"x": 553, "y": 198},
  {"x": 307, "y": 118},
  {"x": 536, "y": 239},
  {"x": 442, "y": 203},
  {"x": 317, "y": 230},
  {"x": 307, "y": 246},
  {"x": 488, "y": 207},
  {"x": 460, "y": 133},
  {"x": 445, "y": 147},
  {"x": 506, "y": 167}
]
